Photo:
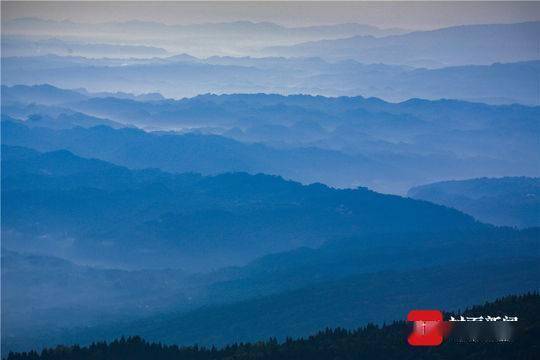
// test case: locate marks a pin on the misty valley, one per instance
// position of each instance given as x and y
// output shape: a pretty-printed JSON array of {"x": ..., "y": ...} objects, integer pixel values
[{"x": 255, "y": 190}]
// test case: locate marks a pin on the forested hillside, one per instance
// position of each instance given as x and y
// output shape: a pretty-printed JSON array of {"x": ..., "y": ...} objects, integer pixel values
[
  {"x": 187, "y": 220},
  {"x": 373, "y": 342},
  {"x": 313, "y": 243},
  {"x": 230, "y": 181}
]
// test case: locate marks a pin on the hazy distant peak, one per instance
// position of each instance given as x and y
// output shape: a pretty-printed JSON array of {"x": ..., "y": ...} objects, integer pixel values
[{"x": 456, "y": 45}]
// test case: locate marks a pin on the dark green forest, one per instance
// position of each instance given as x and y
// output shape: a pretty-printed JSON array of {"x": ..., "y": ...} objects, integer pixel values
[{"x": 369, "y": 342}]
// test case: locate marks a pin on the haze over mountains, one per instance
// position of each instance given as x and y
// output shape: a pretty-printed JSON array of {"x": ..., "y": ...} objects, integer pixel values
[
  {"x": 97, "y": 213},
  {"x": 370, "y": 340},
  {"x": 472, "y": 44},
  {"x": 510, "y": 201},
  {"x": 459, "y": 45},
  {"x": 182, "y": 220},
  {"x": 234, "y": 181},
  {"x": 347, "y": 302},
  {"x": 343, "y": 142},
  {"x": 234, "y": 38},
  {"x": 500, "y": 65},
  {"x": 75, "y": 195},
  {"x": 504, "y": 83}
]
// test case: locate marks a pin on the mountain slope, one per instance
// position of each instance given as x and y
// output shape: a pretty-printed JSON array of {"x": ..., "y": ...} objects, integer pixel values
[
  {"x": 511, "y": 201},
  {"x": 350, "y": 302},
  {"x": 338, "y": 259},
  {"x": 206, "y": 154},
  {"x": 42, "y": 290},
  {"x": 371, "y": 341},
  {"x": 355, "y": 301},
  {"x": 372, "y": 247},
  {"x": 40, "y": 94},
  {"x": 93, "y": 210}
]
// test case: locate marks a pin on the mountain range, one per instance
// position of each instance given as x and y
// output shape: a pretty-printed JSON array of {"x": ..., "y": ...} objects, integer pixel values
[
  {"x": 504, "y": 82},
  {"x": 341, "y": 301},
  {"x": 226, "y": 38},
  {"x": 337, "y": 250},
  {"x": 457, "y": 45},
  {"x": 354, "y": 141},
  {"x": 186, "y": 220},
  {"x": 509, "y": 201},
  {"x": 209, "y": 186}
]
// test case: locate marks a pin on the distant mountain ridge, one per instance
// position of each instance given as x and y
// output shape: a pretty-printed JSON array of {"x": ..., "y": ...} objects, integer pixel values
[
  {"x": 207, "y": 186},
  {"x": 34, "y": 24},
  {"x": 458, "y": 45},
  {"x": 342, "y": 142},
  {"x": 187, "y": 220},
  {"x": 501, "y": 82},
  {"x": 149, "y": 38},
  {"x": 509, "y": 201},
  {"x": 46, "y": 94},
  {"x": 18, "y": 46}
]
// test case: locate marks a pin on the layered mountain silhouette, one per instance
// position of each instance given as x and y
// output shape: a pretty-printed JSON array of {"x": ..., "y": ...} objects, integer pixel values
[
  {"x": 151, "y": 38},
  {"x": 349, "y": 302},
  {"x": 510, "y": 201},
  {"x": 457, "y": 45},
  {"x": 343, "y": 142},
  {"x": 387, "y": 341},
  {"x": 501, "y": 82},
  {"x": 187, "y": 220},
  {"x": 226, "y": 190},
  {"x": 357, "y": 247}
]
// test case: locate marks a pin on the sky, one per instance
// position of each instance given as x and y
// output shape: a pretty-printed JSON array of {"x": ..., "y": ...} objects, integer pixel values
[{"x": 402, "y": 14}]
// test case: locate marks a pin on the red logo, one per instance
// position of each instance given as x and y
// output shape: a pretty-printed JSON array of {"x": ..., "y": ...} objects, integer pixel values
[{"x": 428, "y": 327}]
